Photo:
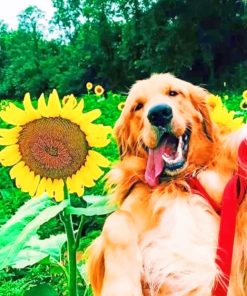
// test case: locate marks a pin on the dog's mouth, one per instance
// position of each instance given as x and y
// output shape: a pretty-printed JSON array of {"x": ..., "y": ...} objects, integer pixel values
[{"x": 169, "y": 158}]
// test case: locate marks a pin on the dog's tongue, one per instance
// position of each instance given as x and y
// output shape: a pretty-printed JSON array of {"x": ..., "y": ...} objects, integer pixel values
[
  {"x": 155, "y": 163},
  {"x": 155, "y": 166}
]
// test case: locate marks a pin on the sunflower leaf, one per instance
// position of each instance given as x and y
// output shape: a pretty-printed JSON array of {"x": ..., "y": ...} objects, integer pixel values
[
  {"x": 93, "y": 199},
  {"x": 15, "y": 234},
  {"x": 25, "y": 214},
  {"x": 97, "y": 205},
  {"x": 91, "y": 210},
  {"x": 36, "y": 249}
]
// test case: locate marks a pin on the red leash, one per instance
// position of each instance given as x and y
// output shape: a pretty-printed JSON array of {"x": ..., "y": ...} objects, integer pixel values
[{"x": 233, "y": 195}]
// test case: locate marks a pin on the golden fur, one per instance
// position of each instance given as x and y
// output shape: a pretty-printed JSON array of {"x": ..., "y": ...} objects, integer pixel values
[{"x": 162, "y": 240}]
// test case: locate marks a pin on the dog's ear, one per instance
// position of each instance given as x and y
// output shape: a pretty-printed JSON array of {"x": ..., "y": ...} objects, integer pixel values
[
  {"x": 198, "y": 97},
  {"x": 122, "y": 134}
]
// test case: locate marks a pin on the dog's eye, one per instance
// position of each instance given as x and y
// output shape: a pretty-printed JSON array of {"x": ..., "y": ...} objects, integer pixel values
[
  {"x": 173, "y": 93},
  {"x": 138, "y": 106}
]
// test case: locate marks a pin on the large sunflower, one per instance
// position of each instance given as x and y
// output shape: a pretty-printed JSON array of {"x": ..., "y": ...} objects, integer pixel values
[{"x": 50, "y": 146}]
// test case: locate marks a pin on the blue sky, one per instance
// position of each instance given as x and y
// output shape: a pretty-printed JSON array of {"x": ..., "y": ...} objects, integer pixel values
[{"x": 11, "y": 8}]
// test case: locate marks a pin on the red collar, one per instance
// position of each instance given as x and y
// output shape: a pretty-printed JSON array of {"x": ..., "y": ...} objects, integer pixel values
[{"x": 233, "y": 195}]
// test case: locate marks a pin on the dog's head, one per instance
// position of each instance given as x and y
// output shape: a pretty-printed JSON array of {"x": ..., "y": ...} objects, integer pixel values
[{"x": 166, "y": 121}]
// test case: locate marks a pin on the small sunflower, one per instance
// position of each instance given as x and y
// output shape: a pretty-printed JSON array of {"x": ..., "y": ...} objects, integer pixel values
[
  {"x": 214, "y": 101},
  {"x": 99, "y": 90},
  {"x": 69, "y": 97},
  {"x": 89, "y": 85},
  {"x": 243, "y": 104},
  {"x": 50, "y": 146},
  {"x": 244, "y": 94},
  {"x": 121, "y": 106},
  {"x": 3, "y": 104},
  {"x": 225, "y": 118}
]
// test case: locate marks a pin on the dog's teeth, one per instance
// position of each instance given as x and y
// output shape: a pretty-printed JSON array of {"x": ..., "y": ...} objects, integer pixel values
[{"x": 185, "y": 137}]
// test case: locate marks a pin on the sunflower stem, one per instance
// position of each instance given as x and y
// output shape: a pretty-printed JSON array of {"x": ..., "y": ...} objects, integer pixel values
[
  {"x": 78, "y": 236},
  {"x": 71, "y": 248}
]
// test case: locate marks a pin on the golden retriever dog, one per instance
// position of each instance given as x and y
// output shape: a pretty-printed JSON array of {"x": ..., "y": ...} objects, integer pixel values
[{"x": 163, "y": 238}]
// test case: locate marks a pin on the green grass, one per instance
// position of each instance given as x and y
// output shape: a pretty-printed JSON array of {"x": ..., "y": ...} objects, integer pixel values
[{"x": 16, "y": 282}]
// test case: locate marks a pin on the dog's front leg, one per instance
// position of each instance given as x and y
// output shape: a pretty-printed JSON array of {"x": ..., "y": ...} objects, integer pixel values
[{"x": 121, "y": 256}]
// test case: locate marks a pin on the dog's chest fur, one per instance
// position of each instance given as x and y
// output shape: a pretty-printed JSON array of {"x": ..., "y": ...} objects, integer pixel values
[{"x": 179, "y": 254}]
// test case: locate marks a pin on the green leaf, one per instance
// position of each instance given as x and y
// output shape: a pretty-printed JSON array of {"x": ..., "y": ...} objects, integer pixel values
[
  {"x": 98, "y": 205},
  {"x": 26, "y": 213},
  {"x": 92, "y": 210},
  {"x": 36, "y": 250},
  {"x": 96, "y": 199},
  {"x": 81, "y": 266},
  {"x": 41, "y": 290},
  {"x": 15, "y": 234}
]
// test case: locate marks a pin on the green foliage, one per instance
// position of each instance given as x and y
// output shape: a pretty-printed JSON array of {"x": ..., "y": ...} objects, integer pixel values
[
  {"x": 98, "y": 205},
  {"x": 41, "y": 290},
  {"x": 36, "y": 250},
  {"x": 116, "y": 42},
  {"x": 20, "y": 230}
]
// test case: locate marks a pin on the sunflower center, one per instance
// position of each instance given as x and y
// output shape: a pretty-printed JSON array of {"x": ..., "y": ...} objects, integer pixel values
[
  {"x": 53, "y": 147},
  {"x": 52, "y": 151}
]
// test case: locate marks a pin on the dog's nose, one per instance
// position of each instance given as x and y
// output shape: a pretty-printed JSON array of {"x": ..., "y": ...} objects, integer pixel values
[{"x": 160, "y": 115}]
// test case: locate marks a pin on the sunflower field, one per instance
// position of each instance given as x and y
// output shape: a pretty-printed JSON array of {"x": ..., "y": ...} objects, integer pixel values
[{"x": 34, "y": 256}]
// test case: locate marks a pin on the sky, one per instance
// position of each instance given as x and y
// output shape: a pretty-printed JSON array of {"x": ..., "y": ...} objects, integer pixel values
[{"x": 9, "y": 9}]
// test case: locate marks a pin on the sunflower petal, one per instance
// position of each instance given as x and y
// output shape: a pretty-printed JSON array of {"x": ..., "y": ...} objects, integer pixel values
[
  {"x": 34, "y": 185},
  {"x": 19, "y": 117},
  {"x": 98, "y": 158},
  {"x": 54, "y": 106},
  {"x": 95, "y": 171},
  {"x": 245, "y": 94},
  {"x": 10, "y": 155},
  {"x": 98, "y": 143},
  {"x": 67, "y": 109},
  {"x": 98, "y": 130},
  {"x": 86, "y": 179},
  {"x": 25, "y": 179},
  {"x": 97, "y": 134},
  {"x": 76, "y": 114},
  {"x": 15, "y": 158},
  {"x": 69, "y": 97},
  {"x": 236, "y": 123},
  {"x": 10, "y": 133},
  {"x": 41, "y": 187},
  {"x": 42, "y": 108},
  {"x": 16, "y": 170},
  {"x": 76, "y": 184},
  {"x": 31, "y": 113},
  {"x": 80, "y": 106},
  {"x": 69, "y": 184},
  {"x": 80, "y": 191},
  {"x": 8, "y": 141},
  {"x": 58, "y": 188},
  {"x": 231, "y": 114},
  {"x": 49, "y": 187},
  {"x": 91, "y": 115}
]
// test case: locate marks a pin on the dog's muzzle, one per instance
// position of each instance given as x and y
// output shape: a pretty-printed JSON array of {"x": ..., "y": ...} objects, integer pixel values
[{"x": 169, "y": 157}]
